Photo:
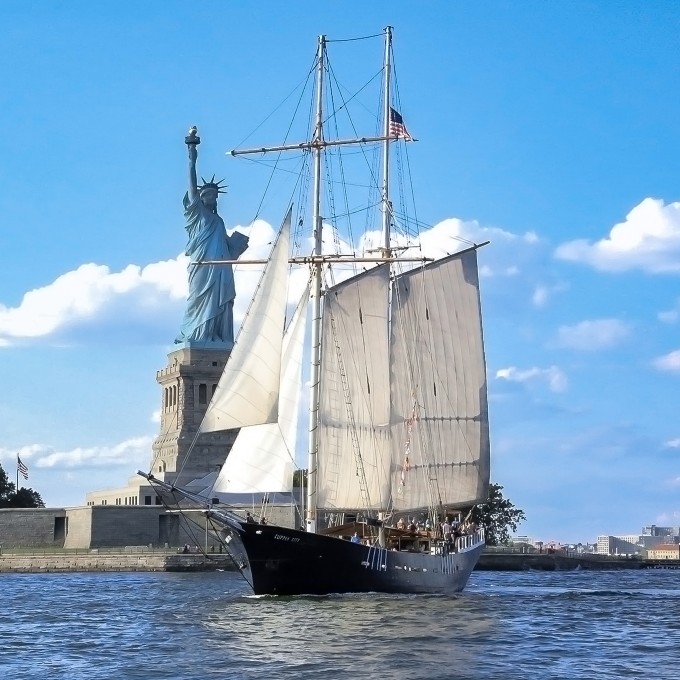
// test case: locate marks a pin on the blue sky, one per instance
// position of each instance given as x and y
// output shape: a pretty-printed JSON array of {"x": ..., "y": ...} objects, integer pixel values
[{"x": 548, "y": 128}]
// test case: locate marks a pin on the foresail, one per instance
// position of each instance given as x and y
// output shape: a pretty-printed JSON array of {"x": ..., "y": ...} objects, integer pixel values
[
  {"x": 248, "y": 390},
  {"x": 262, "y": 457},
  {"x": 440, "y": 430},
  {"x": 353, "y": 456}
]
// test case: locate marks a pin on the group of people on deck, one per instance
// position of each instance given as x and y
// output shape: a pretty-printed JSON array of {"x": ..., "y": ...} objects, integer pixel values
[
  {"x": 251, "y": 520},
  {"x": 410, "y": 526},
  {"x": 449, "y": 530}
]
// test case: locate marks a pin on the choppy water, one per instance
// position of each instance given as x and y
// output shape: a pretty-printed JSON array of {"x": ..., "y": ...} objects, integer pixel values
[{"x": 202, "y": 626}]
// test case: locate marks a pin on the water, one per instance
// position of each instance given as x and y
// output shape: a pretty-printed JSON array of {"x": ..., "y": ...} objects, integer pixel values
[{"x": 547, "y": 625}]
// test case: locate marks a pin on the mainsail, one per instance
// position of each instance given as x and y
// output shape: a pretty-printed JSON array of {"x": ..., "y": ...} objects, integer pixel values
[
  {"x": 248, "y": 389},
  {"x": 440, "y": 425},
  {"x": 354, "y": 404},
  {"x": 404, "y": 427}
]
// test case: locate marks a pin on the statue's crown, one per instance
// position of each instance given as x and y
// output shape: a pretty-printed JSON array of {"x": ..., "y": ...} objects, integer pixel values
[{"x": 212, "y": 184}]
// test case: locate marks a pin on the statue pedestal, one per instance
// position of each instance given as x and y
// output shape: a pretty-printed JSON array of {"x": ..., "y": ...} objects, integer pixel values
[
  {"x": 188, "y": 383},
  {"x": 205, "y": 344}
]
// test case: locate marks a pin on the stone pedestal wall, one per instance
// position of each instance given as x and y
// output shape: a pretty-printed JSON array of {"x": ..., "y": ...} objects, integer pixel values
[{"x": 187, "y": 385}]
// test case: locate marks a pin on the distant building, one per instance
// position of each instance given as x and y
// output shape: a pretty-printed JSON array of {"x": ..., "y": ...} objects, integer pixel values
[
  {"x": 664, "y": 551},
  {"x": 632, "y": 544},
  {"x": 137, "y": 492},
  {"x": 619, "y": 545},
  {"x": 654, "y": 530},
  {"x": 524, "y": 539}
]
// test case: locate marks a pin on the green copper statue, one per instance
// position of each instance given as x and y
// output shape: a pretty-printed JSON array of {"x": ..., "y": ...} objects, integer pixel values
[{"x": 208, "y": 320}]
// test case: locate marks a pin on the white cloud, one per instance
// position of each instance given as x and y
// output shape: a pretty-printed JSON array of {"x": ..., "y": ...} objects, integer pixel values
[
  {"x": 84, "y": 295},
  {"x": 542, "y": 294},
  {"x": 593, "y": 335},
  {"x": 670, "y": 315},
  {"x": 672, "y": 444},
  {"x": 141, "y": 304},
  {"x": 92, "y": 296},
  {"x": 649, "y": 240},
  {"x": 668, "y": 362},
  {"x": 453, "y": 234},
  {"x": 554, "y": 376},
  {"x": 447, "y": 236},
  {"x": 136, "y": 450},
  {"x": 668, "y": 518}
]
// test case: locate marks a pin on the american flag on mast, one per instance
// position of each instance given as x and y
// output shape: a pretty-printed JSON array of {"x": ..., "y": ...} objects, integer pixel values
[
  {"x": 397, "y": 127},
  {"x": 22, "y": 468}
]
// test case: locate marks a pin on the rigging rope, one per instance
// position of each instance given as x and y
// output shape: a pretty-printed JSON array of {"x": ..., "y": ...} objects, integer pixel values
[
  {"x": 278, "y": 158},
  {"x": 363, "y": 37}
]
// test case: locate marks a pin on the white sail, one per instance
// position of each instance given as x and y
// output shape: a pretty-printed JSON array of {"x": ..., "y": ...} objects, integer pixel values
[
  {"x": 434, "y": 375},
  {"x": 248, "y": 389},
  {"x": 440, "y": 429},
  {"x": 353, "y": 457},
  {"x": 262, "y": 457}
]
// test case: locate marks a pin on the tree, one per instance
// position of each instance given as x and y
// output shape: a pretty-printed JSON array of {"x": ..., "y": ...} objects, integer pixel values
[
  {"x": 26, "y": 498},
  {"x": 23, "y": 498},
  {"x": 300, "y": 478},
  {"x": 498, "y": 516}
]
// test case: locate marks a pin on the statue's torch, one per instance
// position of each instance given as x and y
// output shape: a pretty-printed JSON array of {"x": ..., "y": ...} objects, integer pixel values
[{"x": 192, "y": 138}]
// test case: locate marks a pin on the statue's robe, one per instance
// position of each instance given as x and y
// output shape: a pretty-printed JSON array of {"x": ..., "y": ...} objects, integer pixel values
[{"x": 209, "y": 314}]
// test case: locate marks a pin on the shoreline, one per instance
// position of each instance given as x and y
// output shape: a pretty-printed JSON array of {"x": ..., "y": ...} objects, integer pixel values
[
  {"x": 558, "y": 561},
  {"x": 136, "y": 560}
]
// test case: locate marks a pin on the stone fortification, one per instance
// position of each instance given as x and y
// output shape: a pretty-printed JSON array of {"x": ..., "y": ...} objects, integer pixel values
[
  {"x": 95, "y": 561},
  {"x": 107, "y": 526},
  {"x": 32, "y": 527}
]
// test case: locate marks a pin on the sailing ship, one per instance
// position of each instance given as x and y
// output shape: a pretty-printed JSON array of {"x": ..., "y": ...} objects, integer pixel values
[{"x": 398, "y": 439}]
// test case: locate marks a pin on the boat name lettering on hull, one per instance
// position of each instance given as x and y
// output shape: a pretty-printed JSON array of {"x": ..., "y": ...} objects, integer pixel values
[{"x": 282, "y": 537}]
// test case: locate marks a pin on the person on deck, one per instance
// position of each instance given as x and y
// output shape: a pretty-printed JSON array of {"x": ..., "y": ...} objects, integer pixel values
[
  {"x": 456, "y": 532},
  {"x": 356, "y": 538},
  {"x": 446, "y": 530},
  {"x": 249, "y": 518},
  {"x": 448, "y": 537}
]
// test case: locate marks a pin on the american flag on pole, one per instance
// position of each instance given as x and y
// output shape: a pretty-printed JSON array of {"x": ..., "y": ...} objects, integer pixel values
[
  {"x": 22, "y": 467},
  {"x": 397, "y": 127}
]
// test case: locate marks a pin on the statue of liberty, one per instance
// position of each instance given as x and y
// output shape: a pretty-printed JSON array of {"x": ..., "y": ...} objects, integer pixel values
[{"x": 208, "y": 319}]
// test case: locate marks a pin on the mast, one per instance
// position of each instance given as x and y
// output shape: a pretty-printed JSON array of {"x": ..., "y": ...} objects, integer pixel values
[
  {"x": 387, "y": 208},
  {"x": 317, "y": 146},
  {"x": 313, "y": 444}
]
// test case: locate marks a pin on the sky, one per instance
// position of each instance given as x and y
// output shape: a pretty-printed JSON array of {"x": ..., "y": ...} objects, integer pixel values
[{"x": 549, "y": 129}]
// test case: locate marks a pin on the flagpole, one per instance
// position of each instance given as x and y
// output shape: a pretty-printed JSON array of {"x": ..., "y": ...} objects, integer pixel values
[{"x": 17, "y": 486}]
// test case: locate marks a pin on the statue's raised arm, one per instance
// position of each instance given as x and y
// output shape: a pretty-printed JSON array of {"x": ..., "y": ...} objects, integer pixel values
[{"x": 192, "y": 140}]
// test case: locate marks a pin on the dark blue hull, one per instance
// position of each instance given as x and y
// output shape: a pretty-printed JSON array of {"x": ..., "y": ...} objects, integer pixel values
[{"x": 279, "y": 561}]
